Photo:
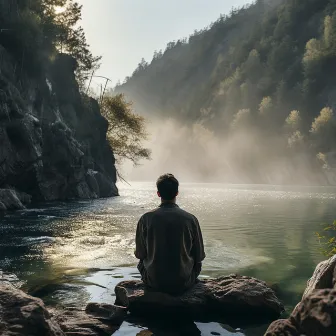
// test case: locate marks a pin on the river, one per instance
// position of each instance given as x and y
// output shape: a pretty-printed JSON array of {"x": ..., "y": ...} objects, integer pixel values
[{"x": 73, "y": 253}]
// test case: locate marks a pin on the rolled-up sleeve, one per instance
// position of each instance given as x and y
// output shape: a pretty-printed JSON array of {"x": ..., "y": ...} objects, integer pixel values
[
  {"x": 198, "y": 245},
  {"x": 140, "y": 245}
]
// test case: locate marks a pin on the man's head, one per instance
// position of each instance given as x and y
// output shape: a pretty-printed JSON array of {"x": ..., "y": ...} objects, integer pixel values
[{"x": 167, "y": 186}]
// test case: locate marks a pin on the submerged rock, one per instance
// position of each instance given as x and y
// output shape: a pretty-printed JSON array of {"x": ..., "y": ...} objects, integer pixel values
[{"x": 237, "y": 296}]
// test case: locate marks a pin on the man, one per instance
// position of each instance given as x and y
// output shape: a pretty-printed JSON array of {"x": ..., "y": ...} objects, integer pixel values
[{"x": 169, "y": 243}]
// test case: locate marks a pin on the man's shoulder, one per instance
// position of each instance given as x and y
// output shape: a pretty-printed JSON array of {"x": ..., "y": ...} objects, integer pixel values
[
  {"x": 180, "y": 211},
  {"x": 186, "y": 214}
]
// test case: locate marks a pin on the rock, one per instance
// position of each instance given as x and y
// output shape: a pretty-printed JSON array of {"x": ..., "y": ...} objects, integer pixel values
[
  {"x": 96, "y": 320},
  {"x": 24, "y": 315},
  {"x": 2, "y": 207},
  {"x": 282, "y": 328},
  {"x": 51, "y": 136},
  {"x": 232, "y": 295},
  {"x": 324, "y": 276},
  {"x": 115, "y": 314},
  {"x": 13, "y": 200},
  {"x": 9, "y": 278},
  {"x": 315, "y": 315}
]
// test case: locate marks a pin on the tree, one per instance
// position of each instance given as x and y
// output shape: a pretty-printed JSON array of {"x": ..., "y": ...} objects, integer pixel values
[
  {"x": 323, "y": 121},
  {"x": 266, "y": 106},
  {"x": 323, "y": 130},
  {"x": 70, "y": 38},
  {"x": 293, "y": 121},
  {"x": 241, "y": 119},
  {"x": 126, "y": 129}
]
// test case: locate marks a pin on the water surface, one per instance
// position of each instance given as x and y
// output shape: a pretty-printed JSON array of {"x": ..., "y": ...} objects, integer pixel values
[{"x": 73, "y": 253}]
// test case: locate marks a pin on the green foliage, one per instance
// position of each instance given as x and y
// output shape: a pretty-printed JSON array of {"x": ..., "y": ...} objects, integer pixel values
[
  {"x": 266, "y": 106},
  {"x": 268, "y": 58},
  {"x": 296, "y": 140},
  {"x": 327, "y": 240},
  {"x": 323, "y": 121},
  {"x": 126, "y": 130},
  {"x": 35, "y": 30},
  {"x": 293, "y": 121},
  {"x": 241, "y": 119}
]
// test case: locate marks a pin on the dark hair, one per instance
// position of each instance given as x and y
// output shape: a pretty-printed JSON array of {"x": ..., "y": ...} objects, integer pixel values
[{"x": 167, "y": 186}]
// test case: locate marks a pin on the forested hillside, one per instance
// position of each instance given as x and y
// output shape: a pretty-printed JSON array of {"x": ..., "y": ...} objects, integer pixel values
[{"x": 266, "y": 70}]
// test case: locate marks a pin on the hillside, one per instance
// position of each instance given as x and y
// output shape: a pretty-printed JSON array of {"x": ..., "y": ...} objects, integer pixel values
[{"x": 264, "y": 70}]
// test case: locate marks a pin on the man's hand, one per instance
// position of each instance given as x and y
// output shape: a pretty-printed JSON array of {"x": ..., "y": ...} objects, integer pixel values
[{"x": 197, "y": 268}]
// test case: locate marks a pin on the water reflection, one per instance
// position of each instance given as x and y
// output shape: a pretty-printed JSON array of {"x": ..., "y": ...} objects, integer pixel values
[{"x": 171, "y": 328}]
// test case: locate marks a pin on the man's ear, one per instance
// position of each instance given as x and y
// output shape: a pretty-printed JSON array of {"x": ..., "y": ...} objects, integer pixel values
[
  {"x": 158, "y": 194},
  {"x": 177, "y": 193}
]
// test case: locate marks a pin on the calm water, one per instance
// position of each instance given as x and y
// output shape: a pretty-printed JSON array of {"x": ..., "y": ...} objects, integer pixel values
[{"x": 72, "y": 253}]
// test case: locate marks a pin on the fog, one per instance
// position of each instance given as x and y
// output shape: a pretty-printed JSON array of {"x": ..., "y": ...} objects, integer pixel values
[{"x": 195, "y": 154}]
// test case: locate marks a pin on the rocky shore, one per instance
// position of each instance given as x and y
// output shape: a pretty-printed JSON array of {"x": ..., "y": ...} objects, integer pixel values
[
  {"x": 53, "y": 138},
  {"x": 316, "y": 313},
  {"x": 237, "y": 300}
]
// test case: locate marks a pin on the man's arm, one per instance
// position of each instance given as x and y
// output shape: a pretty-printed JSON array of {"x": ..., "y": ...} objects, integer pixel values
[
  {"x": 140, "y": 245},
  {"x": 198, "y": 247}
]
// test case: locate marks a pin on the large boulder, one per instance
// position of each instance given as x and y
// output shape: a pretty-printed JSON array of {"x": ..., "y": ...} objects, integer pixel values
[
  {"x": 316, "y": 313},
  {"x": 242, "y": 297},
  {"x": 21, "y": 314}
]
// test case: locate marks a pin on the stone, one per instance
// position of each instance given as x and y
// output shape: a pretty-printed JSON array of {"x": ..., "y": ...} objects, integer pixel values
[
  {"x": 24, "y": 315},
  {"x": 314, "y": 315},
  {"x": 13, "y": 200},
  {"x": 96, "y": 320},
  {"x": 282, "y": 328},
  {"x": 115, "y": 314},
  {"x": 324, "y": 276},
  {"x": 232, "y": 295}
]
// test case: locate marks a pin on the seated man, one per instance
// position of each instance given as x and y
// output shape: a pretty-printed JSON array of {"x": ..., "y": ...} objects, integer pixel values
[{"x": 169, "y": 243}]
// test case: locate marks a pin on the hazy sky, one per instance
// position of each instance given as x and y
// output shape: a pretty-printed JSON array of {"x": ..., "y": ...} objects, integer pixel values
[{"x": 124, "y": 31}]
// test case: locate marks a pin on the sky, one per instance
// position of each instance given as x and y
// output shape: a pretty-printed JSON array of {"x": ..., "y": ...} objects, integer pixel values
[{"x": 125, "y": 31}]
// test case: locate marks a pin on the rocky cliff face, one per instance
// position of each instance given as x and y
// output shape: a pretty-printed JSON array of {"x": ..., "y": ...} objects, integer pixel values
[{"x": 52, "y": 139}]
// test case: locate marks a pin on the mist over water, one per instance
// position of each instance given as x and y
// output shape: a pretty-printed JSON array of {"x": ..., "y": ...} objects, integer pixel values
[{"x": 194, "y": 153}]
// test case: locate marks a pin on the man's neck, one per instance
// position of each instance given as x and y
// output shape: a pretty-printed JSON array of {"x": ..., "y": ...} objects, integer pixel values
[{"x": 168, "y": 202}]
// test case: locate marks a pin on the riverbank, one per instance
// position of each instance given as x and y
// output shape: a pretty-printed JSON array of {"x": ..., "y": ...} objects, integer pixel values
[{"x": 23, "y": 314}]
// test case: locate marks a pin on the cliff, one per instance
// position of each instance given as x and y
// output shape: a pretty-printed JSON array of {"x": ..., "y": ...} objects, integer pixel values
[{"x": 52, "y": 138}]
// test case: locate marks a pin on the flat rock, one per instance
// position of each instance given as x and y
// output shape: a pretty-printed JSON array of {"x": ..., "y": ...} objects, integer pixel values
[
  {"x": 21, "y": 314},
  {"x": 96, "y": 320},
  {"x": 232, "y": 295}
]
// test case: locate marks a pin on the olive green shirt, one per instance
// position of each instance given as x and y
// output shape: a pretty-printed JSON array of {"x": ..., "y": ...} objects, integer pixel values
[{"x": 169, "y": 243}]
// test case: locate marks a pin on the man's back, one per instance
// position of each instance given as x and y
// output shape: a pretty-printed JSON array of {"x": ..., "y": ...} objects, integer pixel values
[{"x": 170, "y": 245}]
